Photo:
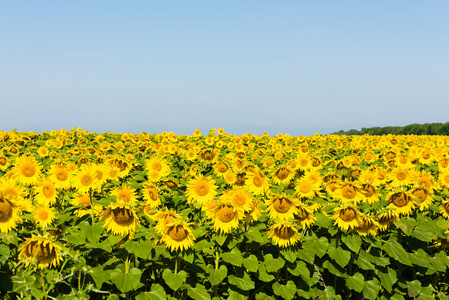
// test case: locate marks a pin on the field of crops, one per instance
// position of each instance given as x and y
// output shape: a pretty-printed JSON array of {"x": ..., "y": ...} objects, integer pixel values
[{"x": 216, "y": 216}]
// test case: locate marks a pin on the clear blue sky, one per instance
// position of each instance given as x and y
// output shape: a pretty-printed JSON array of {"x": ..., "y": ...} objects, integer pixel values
[{"x": 296, "y": 67}]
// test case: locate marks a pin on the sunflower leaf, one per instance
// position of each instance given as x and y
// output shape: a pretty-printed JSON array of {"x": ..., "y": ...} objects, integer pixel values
[
  {"x": 371, "y": 289},
  {"x": 396, "y": 251},
  {"x": 388, "y": 278},
  {"x": 174, "y": 281},
  {"x": 216, "y": 276},
  {"x": 251, "y": 263},
  {"x": 126, "y": 282},
  {"x": 157, "y": 292},
  {"x": 92, "y": 232},
  {"x": 340, "y": 256},
  {"x": 273, "y": 264},
  {"x": 354, "y": 242},
  {"x": 317, "y": 246},
  {"x": 286, "y": 291},
  {"x": 355, "y": 282},
  {"x": 198, "y": 293},
  {"x": 234, "y": 257},
  {"x": 244, "y": 282},
  {"x": 4, "y": 254}
]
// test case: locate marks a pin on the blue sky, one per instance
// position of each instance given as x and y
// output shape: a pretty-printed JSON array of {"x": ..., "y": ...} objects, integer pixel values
[{"x": 295, "y": 67}]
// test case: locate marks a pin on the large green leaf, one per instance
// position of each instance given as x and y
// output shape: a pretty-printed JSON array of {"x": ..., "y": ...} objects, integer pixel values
[
  {"x": 234, "y": 257},
  {"x": 216, "y": 276},
  {"x": 174, "y": 281},
  {"x": 4, "y": 253},
  {"x": 396, "y": 251},
  {"x": 157, "y": 292},
  {"x": 353, "y": 241},
  {"x": 334, "y": 268},
  {"x": 92, "y": 232},
  {"x": 371, "y": 289},
  {"x": 340, "y": 256},
  {"x": 99, "y": 276},
  {"x": 355, "y": 282},
  {"x": 254, "y": 235},
  {"x": 364, "y": 261},
  {"x": 299, "y": 269},
  {"x": 251, "y": 263},
  {"x": 141, "y": 248},
  {"x": 388, "y": 278},
  {"x": 243, "y": 281},
  {"x": 273, "y": 264},
  {"x": 126, "y": 282},
  {"x": 315, "y": 245},
  {"x": 199, "y": 292},
  {"x": 286, "y": 291}
]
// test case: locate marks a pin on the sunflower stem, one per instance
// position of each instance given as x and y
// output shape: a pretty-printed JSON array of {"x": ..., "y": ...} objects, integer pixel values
[
  {"x": 176, "y": 262},
  {"x": 217, "y": 259},
  {"x": 91, "y": 208}
]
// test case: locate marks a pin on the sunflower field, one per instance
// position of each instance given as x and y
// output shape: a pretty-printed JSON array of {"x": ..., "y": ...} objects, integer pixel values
[{"x": 115, "y": 216}]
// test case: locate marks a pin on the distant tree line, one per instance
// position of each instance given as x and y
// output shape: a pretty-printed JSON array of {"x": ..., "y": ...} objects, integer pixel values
[{"x": 417, "y": 129}]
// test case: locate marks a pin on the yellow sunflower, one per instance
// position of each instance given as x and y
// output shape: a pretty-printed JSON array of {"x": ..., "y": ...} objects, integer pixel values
[
  {"x": 402, "y": 177},
  {"x": 385, "y": 218},
  {"x": 43, "y": 216},
  {"x": 282, "y": 207},
  {"x": 125, "y": 194},
  {"x": 443, "y": 179},
  {"x": 164, "y": 217},
  {"x": 348, "y": 192},
  {"x": 282, "y": 175},
  {"x": 424, "y": 195},
  {"x": 151, "y": 196},
  {"x": 45, "y": 192},
  {"x": 4, "y": 162},
  {"x": 85, "y": 180},
  {"x": 41, "y": 251},
  {"x": 9, "y": 213},
  {"x": 256, "y": 182},
  {"x": 306, "y": 188},
  {"x": 444, "y": 208},
  {"x": 27, "y": 170},
  {"x": 83, "y": 200},
  {"x": 367, "y": 226},
  {"x": 305, "y": 217},
  {"x": 11, "y": 190},
  {"x": 159, "y": 165},
  {"x": 200, "y": 190},
  {"x": 226, "y": 216},
  {"x": 121, "y": 219},
  {"x": 401, "y": 201},
  {"x": 240, "y": 198},
  {"x": 178, "y": 235},
  {"x": 369, "y": 192},
  {"x": 346, "y": 217},
  {"x": 60, "y": 175},
  {"x": 283, "y": 234}
]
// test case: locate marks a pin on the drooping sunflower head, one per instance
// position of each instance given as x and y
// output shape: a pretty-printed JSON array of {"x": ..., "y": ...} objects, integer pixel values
[
  {"x": 384, "y": 219},
  {"x": 41, "y": 251},
  {"x": 424, "y": 196},
  {"x": 226, "y": 216},
  {"x": 282, "y": 174},
  {"x": 401, "y": 201},
  {"x": 348, "y": 192},
  {"x": 367, "y": 226},
  {"x": 150, "y": 194},
  {"x": 282, "y": 207},
  {"x": 178, "y": 236},
  {"x": 346, "y": 217},
  {"x": 221, "y": 168},
  {"x": 9, "y": 214},
  {"x": 305, "y": 217},
  {"x": 283, "y": 234},
  {"x": 120, "y": 219},
  {"x": 444, "y": 208}
]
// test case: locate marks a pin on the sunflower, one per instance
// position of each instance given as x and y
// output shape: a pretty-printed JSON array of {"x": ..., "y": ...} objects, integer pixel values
[
  {"x": 444, "y": 208},
  {"x": 9, "y": 213},
  {"x": 367, "y": 226},
  {"x": 283, "y": 234},
  {"x": 27, "y": 170},
  {"x": 41, "y": 251},
  {"x": 306, "y": 188},
  {"x": 304, "y": 161},
  {"x": 348, "y": 192},
  {"x": 200, "y": 190},
  {"x": 369, "y": 192},
  {"x": 60, "y": 175},
  {"x": 209, "y": 155},
  {"x": 425, "y": 179},
  {"x": 121, "y": 219},
  {"x": 11, "y": 190},
  {"x": 346, "y": 217},
  {"x": 46, "y": 192},
  {"x": 4, "y": 162},
  {"x": 159, "y": 165},
  {"x": 305, "y": 217},
  {"x": 226, "y": 216},
  {"x": 442, "y": 243},
  {"x": 401, "y": 177},
  {"x": 256, "y": 182},
  {"x": 124, "y": 194},
  {"x": 43, "y": 216},
  {"x": 221, "y": 168},
  {"x": 151, "y": 196},
  {"x": 164, "y": 217},
  {"x": 255, "y": 211},
  {"x": 401, "y": 201},
  {"x": 178, "y": 235},
  {"x": 100, "y": 172},
  {"x": 240, "y": 198},
  {"x": 384, "y": 219},
  {"x": 85, "y": 179},
  {"x": 282, "y": 175},
  {"x": 83, "y": 200},
  {"x": 424, "y": 195},
  {"x": 282, "y": 207}
]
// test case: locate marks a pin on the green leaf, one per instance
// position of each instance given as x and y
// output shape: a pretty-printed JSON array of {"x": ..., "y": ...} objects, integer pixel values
[
  {"x": 4, "y": 253},
  {"x": 174, "y": 281},
  {"x": 216, "y": 276},
  {"x": 237, "y": 295},
  {"x": 244, "y": 283},
  {"x": 198, "y": 293},
  {"x": 396, "y": 251},
  {"x": 406, "y": 225},
  {"x": 263, "y": 275},
  {"x": 254, "y": 235},
  {"x": 355, "y": 282},
  {"x": 141, "y": 249},
  {"x": 340, "y": 256},
  {"x": 322, "y": 220},
  {"x": 286, "y": 291},
  {"x": 420, "y": 258},
  {"x": 364, "y": 261},
  {"x": 263, "y": 296},
  {"x": 289, "y": 254},
  {"x": 414, "y": 288},
  {"x": 273, "y": 264},
  {"x": 157, "y": 292},
  {"x": 354, "y": 242},
  {"x": 126, "y": 282},
  {"x": 334, "y": 268},
  {"x": 251, "y": 263},
  {"x": 299, "y": 270},
  {"x": 316, "y": 246},
  {"x": 234, "y": 257},
  {"x": 425, "y": 229},
  {"x": 306, "y": 255},
  {"x": 388, "y": 278},
  {"x": 371, "y": 289},
  {"x": 328, "y": 293},
  {"x": 99, "y": 276}
]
